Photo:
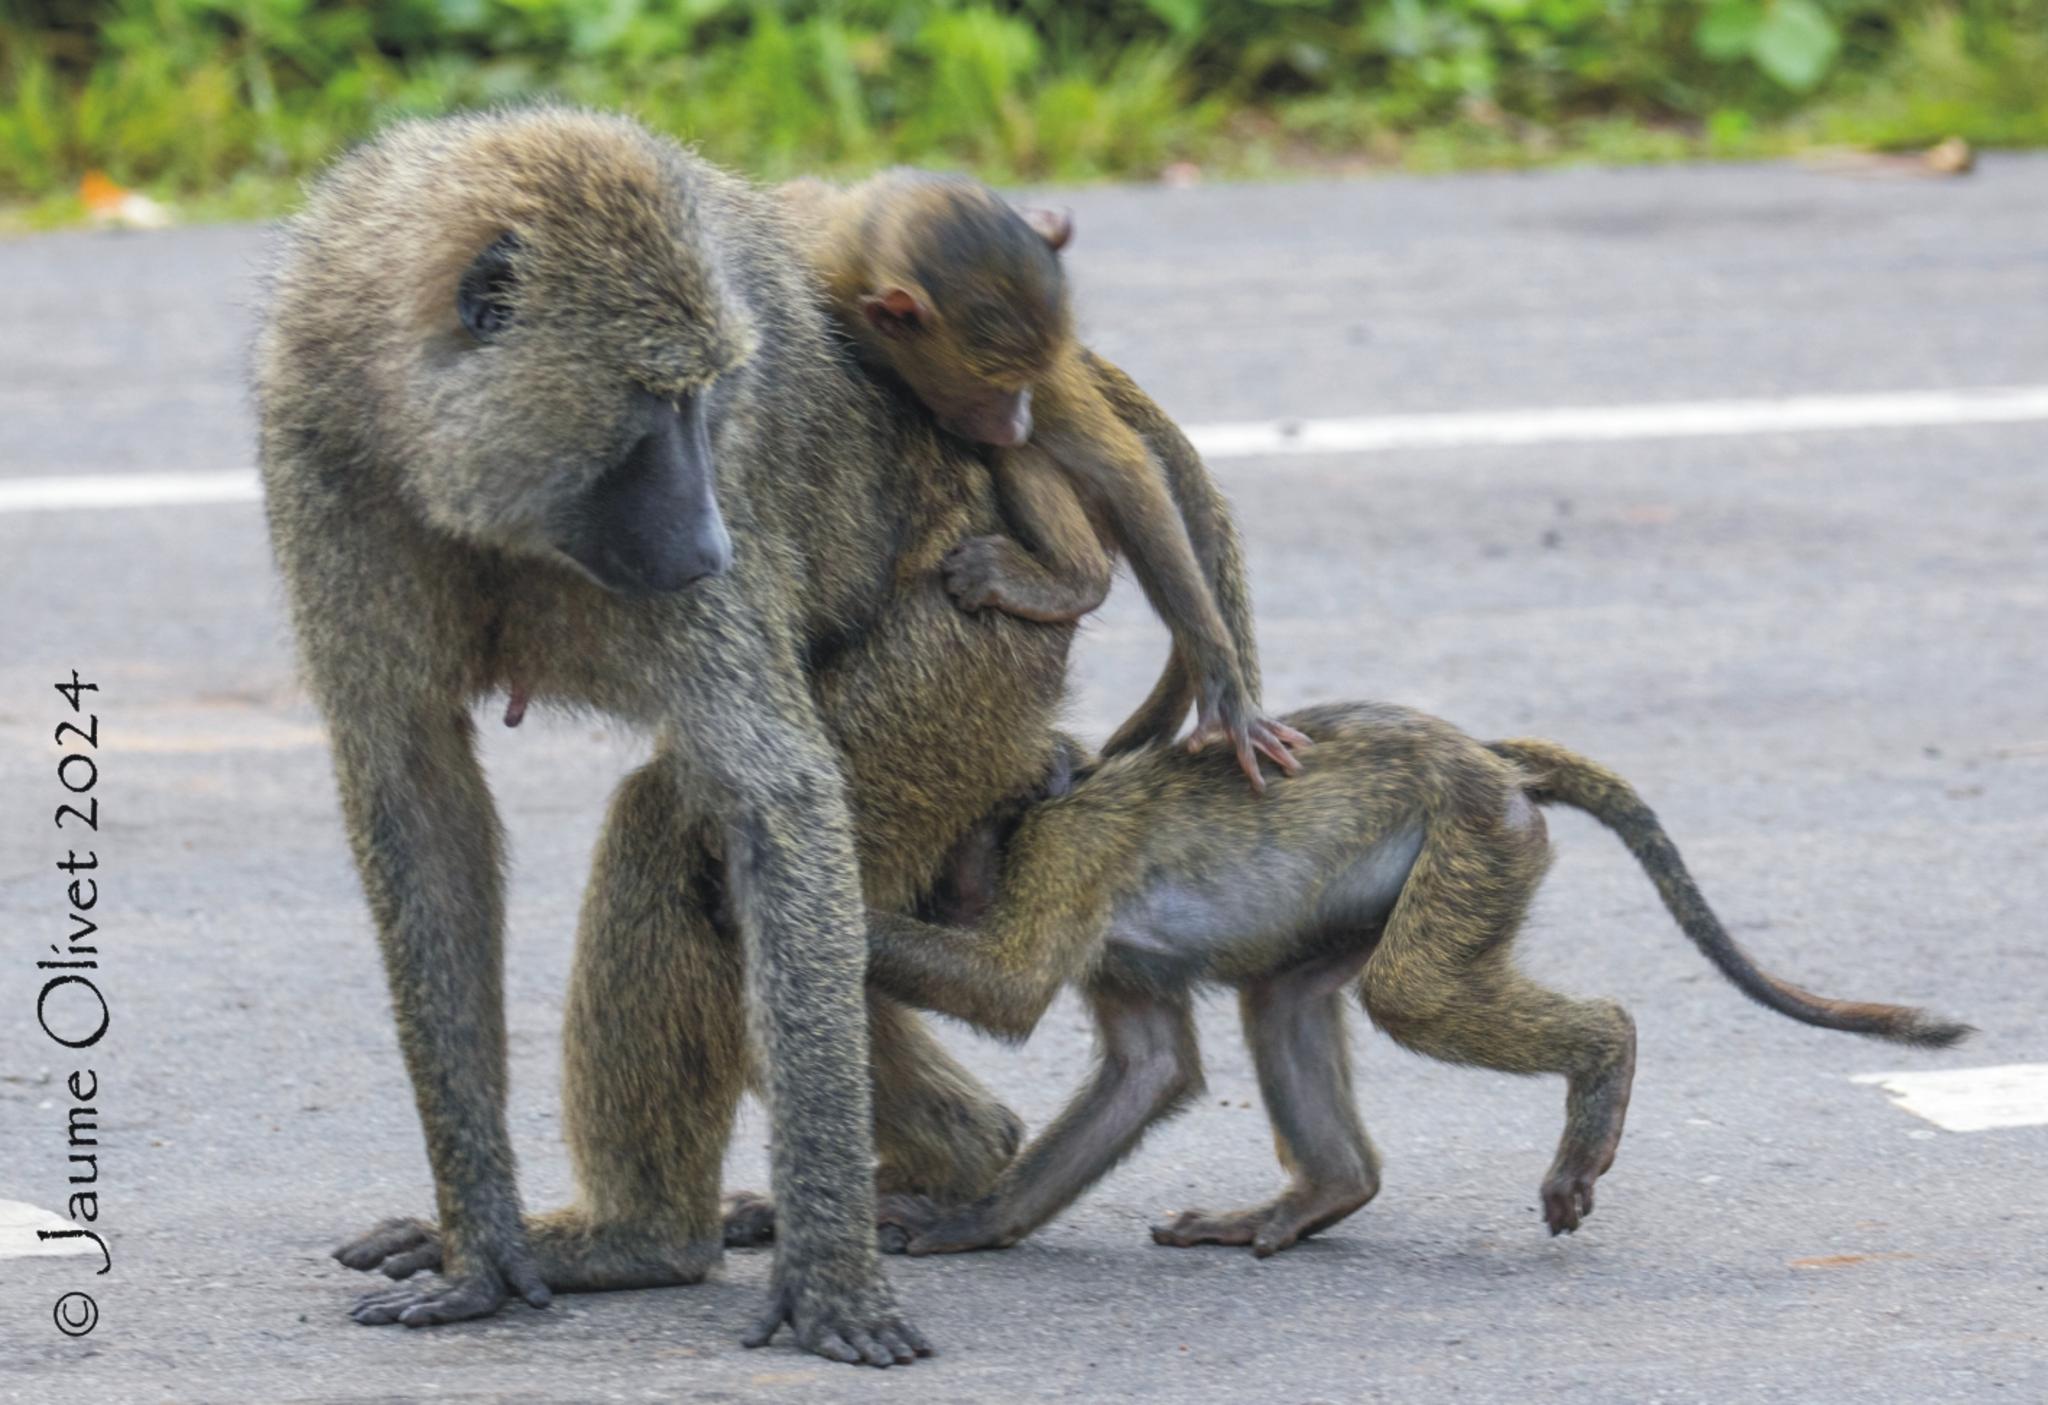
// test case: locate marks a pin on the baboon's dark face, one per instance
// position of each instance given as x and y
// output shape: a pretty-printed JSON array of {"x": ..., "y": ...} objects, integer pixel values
[
  {"x": 561, "y": 389},
  {"x": 651, "y": 523}
]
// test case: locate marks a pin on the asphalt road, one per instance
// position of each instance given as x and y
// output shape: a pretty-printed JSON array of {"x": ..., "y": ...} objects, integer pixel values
[{"x": 1823, "y": 656}]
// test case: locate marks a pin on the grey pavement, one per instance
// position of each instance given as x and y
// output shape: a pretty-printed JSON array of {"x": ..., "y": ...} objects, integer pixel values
[{"x": 1824, "y": 657}]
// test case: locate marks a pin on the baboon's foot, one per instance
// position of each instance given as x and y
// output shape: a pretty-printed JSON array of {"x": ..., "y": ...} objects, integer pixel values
[
  {"x": 401, "y": 1248},
  {"x": 579, "y": 1255},
  {"x": 1278, "y": 1224},
  {"x": 749, "y": 1220},
  {"x": 567, "y": 1253},
  {"x": 394, "y": 1248},
  {"x": 1595, "y": 1108},
  {"x": 952, "y": 1150},
  {"x": 918, "y": 1225}
]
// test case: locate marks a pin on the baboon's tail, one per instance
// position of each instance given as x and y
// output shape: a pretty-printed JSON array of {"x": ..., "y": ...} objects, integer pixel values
[{"x": 1558, "y": 776}]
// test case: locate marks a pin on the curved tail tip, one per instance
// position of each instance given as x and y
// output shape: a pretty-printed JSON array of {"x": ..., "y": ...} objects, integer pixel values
[{"x": 1930, "y": 1033}]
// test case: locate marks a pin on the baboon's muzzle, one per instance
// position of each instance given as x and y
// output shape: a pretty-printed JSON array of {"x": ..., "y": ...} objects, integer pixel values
[{"x": 652, "y": 522}]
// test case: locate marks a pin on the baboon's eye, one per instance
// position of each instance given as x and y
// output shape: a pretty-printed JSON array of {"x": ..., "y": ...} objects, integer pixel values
[{"x": 484, "y": 299}]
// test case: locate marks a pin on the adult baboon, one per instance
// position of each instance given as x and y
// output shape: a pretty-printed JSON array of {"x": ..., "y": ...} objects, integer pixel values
[{"x": 524, "y": 379}]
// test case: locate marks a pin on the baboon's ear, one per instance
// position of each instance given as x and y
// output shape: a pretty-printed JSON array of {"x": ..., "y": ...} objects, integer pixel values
[
  {"x": 483, "y": 300},
  {"x": 1055, "y": 227},
  {"x": 896, "y": 311}
]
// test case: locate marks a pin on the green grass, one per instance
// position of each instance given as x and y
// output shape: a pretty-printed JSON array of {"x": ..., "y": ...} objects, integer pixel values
[{"x": 222, "y": 107}]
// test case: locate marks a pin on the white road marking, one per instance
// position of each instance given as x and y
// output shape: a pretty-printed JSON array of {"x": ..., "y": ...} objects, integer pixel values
[
  {"x": 1971, "y": 1099},
  {"x": 18, "y": 1225},
  {"x": 91, "y": 490},
  {"x": 1266, "y": 438},
  {"x": 1675, "y": 420}
]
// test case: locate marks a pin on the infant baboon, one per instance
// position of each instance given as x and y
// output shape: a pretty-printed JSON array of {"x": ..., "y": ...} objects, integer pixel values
[
  {"x": 941, "y": 282},
  {"x": 1398, "y": 866}
]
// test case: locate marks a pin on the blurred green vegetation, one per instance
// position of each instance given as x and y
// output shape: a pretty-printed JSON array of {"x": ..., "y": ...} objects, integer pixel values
[{"x": 229, "y": 102}]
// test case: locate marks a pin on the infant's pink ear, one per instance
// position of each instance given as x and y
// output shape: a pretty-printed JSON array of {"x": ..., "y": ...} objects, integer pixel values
[
  {"x": 1055, "y": 227},
  {"x": 895, "y": 310}
]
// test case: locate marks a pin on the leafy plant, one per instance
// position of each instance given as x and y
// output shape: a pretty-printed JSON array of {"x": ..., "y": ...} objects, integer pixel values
[{"x": 241, "y": 97}]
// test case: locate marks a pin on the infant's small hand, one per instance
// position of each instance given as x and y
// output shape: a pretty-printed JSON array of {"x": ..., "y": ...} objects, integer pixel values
[{"x": 972, "y": 571}]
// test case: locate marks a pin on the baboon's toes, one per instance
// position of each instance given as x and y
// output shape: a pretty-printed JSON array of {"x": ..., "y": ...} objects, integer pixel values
[
  {"x": 1273, "y": 1238},
  {"x": 1192, "y": 1227},
  {"x": 399, "y": 1248},
  {"x": 445, "y": 1300},
  {"x": 1567, "y": 1201},
  {"x": 749, "y": 1220}
]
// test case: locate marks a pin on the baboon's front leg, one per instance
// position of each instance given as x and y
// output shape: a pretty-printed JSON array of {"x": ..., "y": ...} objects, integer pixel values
[
  {"x": 1214, "y": 537},
  {"x": 750, "y": 739},
  {"x": 425, "y": 838}
]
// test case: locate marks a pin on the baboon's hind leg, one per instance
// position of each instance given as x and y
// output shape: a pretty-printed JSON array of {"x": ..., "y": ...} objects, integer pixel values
[
  {"x": 939, "y": 1132},
  {"x": 1148, "y": 1068},
  {"x": 1294, "y": 1023},
  {"x": 1443, "y": 982},
  {"x": 654, "y": 1060}
]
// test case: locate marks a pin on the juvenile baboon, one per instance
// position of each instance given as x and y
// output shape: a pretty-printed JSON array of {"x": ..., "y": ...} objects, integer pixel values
[
  {"x": 551, "y": 407},
  {"x": 1398, "y": 866},
  {"x": 962, "y": 297}
]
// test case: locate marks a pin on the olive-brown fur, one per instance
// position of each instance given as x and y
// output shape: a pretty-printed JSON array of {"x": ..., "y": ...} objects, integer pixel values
[
  {"x": 938, "y": 281},
  {"x": 1398, "y": 865},
  {"x": 413, "y": 480}
]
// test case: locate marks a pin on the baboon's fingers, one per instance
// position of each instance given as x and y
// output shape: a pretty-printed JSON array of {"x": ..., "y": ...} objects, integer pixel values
[
  {"x": 450, "y": 1300},
  {"x": 1300, "y": 741},
  {"x": 1240, "y": 744},
  {"x": 1273, "y": 741},
  {"x": 1248, "y": 761},
  {"x": 380, "y": 1309},
  {"x": 479, "y": 1295},
  {"x": 872, "y": 1351}
]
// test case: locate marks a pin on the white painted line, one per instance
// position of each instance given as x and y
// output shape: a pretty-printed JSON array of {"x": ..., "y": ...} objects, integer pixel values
[
  {"x": 1676, "y": 420},
  {"x": 90, "y": 490},
  {"x": 18, "y": 1225},
  {"x": 1971, "y": 1099},
  {"x": 1265, "y": 438}
]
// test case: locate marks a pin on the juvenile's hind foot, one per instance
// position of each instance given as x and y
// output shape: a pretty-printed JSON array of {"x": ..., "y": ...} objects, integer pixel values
[
  {"x": 1269, "y": 1228},
  {"x": 917, "y": 1225},
  {"x": 1596, "y": 1107},
  {"x": 1567, "y": 1200}
]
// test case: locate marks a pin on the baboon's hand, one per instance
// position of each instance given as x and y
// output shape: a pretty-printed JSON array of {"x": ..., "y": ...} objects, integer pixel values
[
  {"x": 857, "y": 1324},
  {"x": 1251, "y": 736},
  {"x": 973, "y": 572},
  {"x": 401, "y": 1248}
]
